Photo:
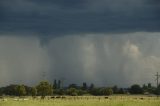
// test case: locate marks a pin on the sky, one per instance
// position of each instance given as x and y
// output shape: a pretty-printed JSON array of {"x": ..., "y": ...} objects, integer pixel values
[{"x": 105, "y": 42}]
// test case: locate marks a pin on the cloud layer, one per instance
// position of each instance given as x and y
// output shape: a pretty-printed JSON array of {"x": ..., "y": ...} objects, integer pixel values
[
  {"x": 52, "y": 17},
  {"x": 103, "y": 59}
]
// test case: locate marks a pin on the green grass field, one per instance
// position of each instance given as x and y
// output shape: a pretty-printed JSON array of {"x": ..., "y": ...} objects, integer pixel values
[{"x": 85, "y": 101}]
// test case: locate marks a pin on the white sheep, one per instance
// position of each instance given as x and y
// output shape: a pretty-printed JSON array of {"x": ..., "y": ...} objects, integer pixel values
[
  {"x": 25, "y": 99},
  {"x": 15, "y": 99}
]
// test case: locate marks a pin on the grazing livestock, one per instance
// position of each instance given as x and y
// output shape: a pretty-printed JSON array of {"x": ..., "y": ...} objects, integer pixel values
[
  {"x": 141, "y": 98},
  {"x": 63, "y": 97},
  {"x": 1, "y": 97},
  {"x": 25, "y": 99},
  {"x": 58, "y": 97},
  {"x": 16, "y": 99},
  {"x": 106, "y": 97},
  {"x": 53, "y": 97}
]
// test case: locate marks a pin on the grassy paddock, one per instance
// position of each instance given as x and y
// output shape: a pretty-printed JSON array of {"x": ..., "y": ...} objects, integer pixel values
[{"x": 83, "y": 101}]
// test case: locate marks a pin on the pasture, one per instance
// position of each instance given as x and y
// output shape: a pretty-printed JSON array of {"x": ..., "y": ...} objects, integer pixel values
[{"x": 82, "y": 101}]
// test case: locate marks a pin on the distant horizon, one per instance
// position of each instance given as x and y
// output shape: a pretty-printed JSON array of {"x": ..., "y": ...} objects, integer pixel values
[{"x": 80, "y": 84}]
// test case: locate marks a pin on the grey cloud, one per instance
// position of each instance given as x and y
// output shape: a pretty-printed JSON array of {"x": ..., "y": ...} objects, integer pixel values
[
  {"x": 106, "y": 60},
  {"x": 62, "y": 17},
  {"x": 103, "y": 59}
]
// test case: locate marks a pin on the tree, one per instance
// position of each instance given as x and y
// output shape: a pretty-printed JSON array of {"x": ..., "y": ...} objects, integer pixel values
[
  {"x": 148, "y": 89},
  {"x": 106, "y": 91},
  {"x": 81, "y": 92},
  {"x": 101, "y": 91},
  {"x": 33, "y": 91},
  {"x": 149, "y": 85},
  {"x": 59, "y": 84},
  {"x": 115, "y": 89},
  {"x": 1, "y": 91},
  {"x": 157, "y": 90},
  {"x": 95, "y": 91},
  {"x": 91, "y": 86},
  {"x": 21, "y": 91},
  {"x": 59, "y": 91},
  {"x": 73, "y": 86},
  {"x": 136, "y": 89},
  {"x": 44, "y": 89},
  {"x": 84, "y": 87},
  {"x": 10, "y": 90},
  {"x": 121, "y": 91},
  {"x": 72, "y": 91},
  {"x": 28, "y": 90},
  {"x": 55, "y": 84}
]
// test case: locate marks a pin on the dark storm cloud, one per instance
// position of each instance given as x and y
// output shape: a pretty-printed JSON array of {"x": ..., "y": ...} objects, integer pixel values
[{"x": 59, "y": 17}]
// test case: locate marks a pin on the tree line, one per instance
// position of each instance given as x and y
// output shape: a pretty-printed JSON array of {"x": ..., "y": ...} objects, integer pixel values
[{"x": 44, "y": 88}]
